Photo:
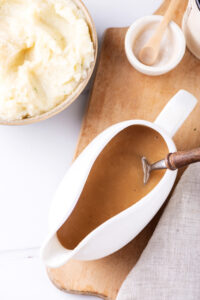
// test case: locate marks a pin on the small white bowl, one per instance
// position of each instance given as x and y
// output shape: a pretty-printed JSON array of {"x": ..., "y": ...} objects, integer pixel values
[{"x": 176, "y": 42}]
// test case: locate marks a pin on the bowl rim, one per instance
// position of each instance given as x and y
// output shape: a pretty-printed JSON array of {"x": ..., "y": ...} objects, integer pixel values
[
  {"x": 79, "y": 89},
  {"x": 153, "y": 70}
]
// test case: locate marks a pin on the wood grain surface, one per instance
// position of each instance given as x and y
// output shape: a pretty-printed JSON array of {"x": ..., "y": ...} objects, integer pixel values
[{"x": 120, "y": 93}]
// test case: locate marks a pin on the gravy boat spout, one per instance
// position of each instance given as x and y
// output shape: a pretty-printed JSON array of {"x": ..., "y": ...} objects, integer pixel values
[{"x": 121, "y": 228}]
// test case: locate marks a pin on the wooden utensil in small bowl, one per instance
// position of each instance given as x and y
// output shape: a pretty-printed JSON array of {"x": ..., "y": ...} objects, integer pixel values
[
  {"x": 172, "y": 162},
  {"x": 149, "y": 53}
]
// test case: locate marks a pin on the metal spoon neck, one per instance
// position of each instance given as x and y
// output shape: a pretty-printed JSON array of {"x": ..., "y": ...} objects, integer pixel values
[{"x": 159, "y": 165}]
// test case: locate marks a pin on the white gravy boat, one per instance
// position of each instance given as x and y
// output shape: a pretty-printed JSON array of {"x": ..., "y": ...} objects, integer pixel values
[{"x": 122, "y": 228}]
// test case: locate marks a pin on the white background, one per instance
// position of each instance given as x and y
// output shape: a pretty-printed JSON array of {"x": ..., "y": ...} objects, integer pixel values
[{"x": 33, "y": 160}]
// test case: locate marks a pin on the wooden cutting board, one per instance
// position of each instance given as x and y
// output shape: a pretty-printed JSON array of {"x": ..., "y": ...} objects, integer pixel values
[{"x": 120, "y": 93}]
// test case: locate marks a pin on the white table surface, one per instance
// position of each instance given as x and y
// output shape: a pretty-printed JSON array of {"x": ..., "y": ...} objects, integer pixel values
[{"x": 34, "y": 159}]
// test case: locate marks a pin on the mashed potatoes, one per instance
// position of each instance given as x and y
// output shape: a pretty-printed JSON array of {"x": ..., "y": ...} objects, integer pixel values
[{"x": 45, "y": 51}]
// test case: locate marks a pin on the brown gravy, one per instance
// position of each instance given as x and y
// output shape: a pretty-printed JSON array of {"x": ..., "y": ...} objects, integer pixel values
[{"x": 115, "y": 182}]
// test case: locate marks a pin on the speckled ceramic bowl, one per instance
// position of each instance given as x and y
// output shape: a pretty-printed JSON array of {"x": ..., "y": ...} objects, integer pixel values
[{"x": 71, "y": 98}]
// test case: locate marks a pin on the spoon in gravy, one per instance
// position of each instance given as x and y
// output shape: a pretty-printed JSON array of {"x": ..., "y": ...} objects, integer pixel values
[{"x": 172, "y": 162}]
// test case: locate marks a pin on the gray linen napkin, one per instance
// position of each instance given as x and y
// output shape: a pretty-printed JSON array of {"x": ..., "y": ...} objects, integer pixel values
[{"x": 169, "y": 267}]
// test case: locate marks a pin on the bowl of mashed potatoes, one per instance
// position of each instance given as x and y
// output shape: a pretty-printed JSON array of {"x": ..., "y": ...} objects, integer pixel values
[{"x": 48, "y": 50}]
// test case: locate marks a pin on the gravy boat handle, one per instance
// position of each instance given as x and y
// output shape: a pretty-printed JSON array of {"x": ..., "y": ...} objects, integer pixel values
[{"x": 176, "y": 112}]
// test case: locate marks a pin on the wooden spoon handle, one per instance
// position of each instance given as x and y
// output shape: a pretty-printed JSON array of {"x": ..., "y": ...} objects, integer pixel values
[
  {"x": 158, "y": 35},
  {"x": 180, "y": 159},
  {"x": 171, "y": 10}
]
